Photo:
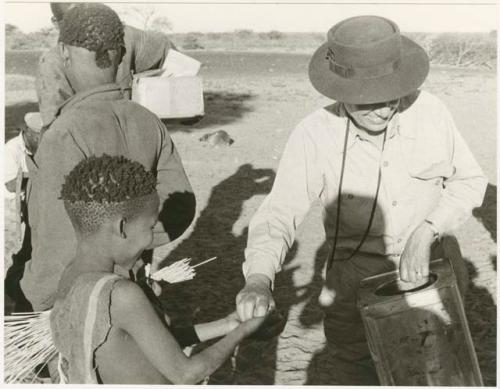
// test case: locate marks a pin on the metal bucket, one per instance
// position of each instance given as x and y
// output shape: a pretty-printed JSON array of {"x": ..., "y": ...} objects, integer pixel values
[{"x": 419, "y": 336}]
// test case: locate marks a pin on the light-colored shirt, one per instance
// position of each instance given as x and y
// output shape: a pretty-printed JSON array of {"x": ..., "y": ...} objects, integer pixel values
[
  {"x": 144, "y": 50},
  {"x": 95, "y": 122},
  {"x": 15, "y": 154},
  {"x": 427, "y": 172}
]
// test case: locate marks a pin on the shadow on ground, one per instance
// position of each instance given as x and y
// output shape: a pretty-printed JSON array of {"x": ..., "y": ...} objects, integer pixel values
[
  {"x": 14, "y": 117},
  {"x": 487, "y": 212},
  {"x": 220, "y": 108},
  {"x": 211, "y": 294},
  {"x": 481, "y": 312}
]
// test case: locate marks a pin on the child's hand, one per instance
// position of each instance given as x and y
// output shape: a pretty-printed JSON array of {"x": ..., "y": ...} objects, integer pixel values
[
  {"x": 232, "y": 321},
  {"x": 252, "y": 325}
]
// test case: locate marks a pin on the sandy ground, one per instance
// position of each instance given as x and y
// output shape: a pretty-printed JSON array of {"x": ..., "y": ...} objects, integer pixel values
[{"x": 259, "y": 107}]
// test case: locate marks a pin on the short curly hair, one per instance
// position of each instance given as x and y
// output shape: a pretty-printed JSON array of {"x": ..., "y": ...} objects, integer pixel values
[
  {"x": 100, "y": 188},
  {"x": 59, "y": 9},
  {"x": 95, "y": 27}
]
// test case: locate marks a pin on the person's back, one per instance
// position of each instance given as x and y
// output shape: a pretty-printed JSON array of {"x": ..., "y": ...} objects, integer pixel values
[
  {"x": 96, "y": 120},
  {"x": 95, "y": 125}
]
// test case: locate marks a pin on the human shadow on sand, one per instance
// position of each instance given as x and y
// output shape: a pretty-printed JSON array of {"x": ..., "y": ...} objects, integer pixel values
[
  {"x": 481, "y": 311},
  {"x": 487, "y": 212},
  {"x": 211, "y": 295},
  {"x": 220, "y": 108}
]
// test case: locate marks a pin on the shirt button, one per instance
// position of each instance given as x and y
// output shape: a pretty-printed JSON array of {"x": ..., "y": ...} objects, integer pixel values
[
  {"x": 394, "y": 203},
  {"x": 385, "y": 164},
  {"x": 350, "y": 196},
  {"x": 400, "y": 240}
]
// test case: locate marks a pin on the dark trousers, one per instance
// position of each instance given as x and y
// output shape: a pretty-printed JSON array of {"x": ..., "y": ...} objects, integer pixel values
[{"x": 13, "y": 292}]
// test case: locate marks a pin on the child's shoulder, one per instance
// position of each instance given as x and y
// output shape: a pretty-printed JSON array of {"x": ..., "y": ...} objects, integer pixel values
[
  {"x": 129, "y": 304},
  {"x": 127, "y": 292}
]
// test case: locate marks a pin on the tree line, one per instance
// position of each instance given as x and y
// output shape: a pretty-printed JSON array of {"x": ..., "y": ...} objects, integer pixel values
[{"x": 454, "y": 49}]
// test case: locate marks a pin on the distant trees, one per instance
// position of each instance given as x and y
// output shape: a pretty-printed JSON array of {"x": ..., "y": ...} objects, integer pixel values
[
  {"x": 455, "y": 49},
  {"x": 11, "y": 29},
  {"x": 161, "y": 24},
  {"x": 463, "y": 49},
  {"x": 15, "y": 39},
  {"x": 144, "y": 17}
]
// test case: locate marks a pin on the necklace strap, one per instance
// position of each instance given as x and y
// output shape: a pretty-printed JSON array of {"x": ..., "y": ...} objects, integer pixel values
[{"x": 331, "y": 258}]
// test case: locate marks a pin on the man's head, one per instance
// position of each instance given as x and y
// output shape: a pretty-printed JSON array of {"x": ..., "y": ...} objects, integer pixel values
[
  {"x": 372, "y": 118},
  {"x": 91, "y": 45},
  {"x": 114, "y": 200},
  {"x": 368, "y": 65}
]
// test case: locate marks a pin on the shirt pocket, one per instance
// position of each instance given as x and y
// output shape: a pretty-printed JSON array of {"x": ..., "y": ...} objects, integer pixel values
[{"x": 429, "y": 162}]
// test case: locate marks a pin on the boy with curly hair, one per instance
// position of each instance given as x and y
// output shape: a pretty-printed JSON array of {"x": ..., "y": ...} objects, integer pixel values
[
  {"x": 97, "y": 119},
  {"x": 103, "y": 325}
]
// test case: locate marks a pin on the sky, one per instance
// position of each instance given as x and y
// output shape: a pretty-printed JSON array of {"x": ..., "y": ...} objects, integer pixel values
[{"x": 203, "y": 16}]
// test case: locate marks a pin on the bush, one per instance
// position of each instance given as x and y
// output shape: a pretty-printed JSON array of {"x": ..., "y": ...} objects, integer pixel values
[
  {"x": 191, "y": 42},
  {"x": 272, "y": 35},
  {"x": 464, "y": 50},
  {"x": 243, "y": 34},
  {"x": 214, "y": 35}
]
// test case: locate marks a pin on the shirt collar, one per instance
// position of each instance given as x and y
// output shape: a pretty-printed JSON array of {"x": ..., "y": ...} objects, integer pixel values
[{"x": 102, "y": 92}]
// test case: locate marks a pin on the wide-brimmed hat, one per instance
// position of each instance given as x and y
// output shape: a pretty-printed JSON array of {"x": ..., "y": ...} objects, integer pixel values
[{"x": 366, "y": 60}]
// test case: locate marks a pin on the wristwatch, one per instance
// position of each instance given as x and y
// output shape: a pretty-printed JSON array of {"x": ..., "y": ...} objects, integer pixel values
[{"x": 433, "y": 228}]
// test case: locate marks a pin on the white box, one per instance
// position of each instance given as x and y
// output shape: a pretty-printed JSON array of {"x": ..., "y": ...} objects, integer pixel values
[
  {"x": 179, "y": 64},
  {"x": 169, "y": 97}
]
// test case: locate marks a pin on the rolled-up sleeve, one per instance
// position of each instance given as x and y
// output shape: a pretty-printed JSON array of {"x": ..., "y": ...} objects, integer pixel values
[
  {"x": 464, "y": 189},
  {"x": 272, "y": 229}
]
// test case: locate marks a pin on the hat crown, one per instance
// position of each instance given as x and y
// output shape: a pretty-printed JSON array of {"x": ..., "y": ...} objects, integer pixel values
[
  {"x": 365, "y": 41},
  {"x": 366, "y": 60},
  {"x": 363, "y": 30}
]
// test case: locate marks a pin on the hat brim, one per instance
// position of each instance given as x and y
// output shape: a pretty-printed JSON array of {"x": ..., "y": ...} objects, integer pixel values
[{"x": 407, "y": 78}]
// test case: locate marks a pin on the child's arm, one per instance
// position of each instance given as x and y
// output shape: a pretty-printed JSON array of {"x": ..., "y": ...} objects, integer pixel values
[
  {"x": 217, "y": 328},
  {"x": 132, "y": 312}
]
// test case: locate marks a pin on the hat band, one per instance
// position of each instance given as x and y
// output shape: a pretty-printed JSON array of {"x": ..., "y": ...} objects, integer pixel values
[{"x": 365, "y": 72}]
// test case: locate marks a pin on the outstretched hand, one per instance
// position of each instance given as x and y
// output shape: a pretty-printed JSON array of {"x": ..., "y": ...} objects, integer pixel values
[
  {"x": 255, "y": 300},
  {"x": 414, "y": 264}
]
